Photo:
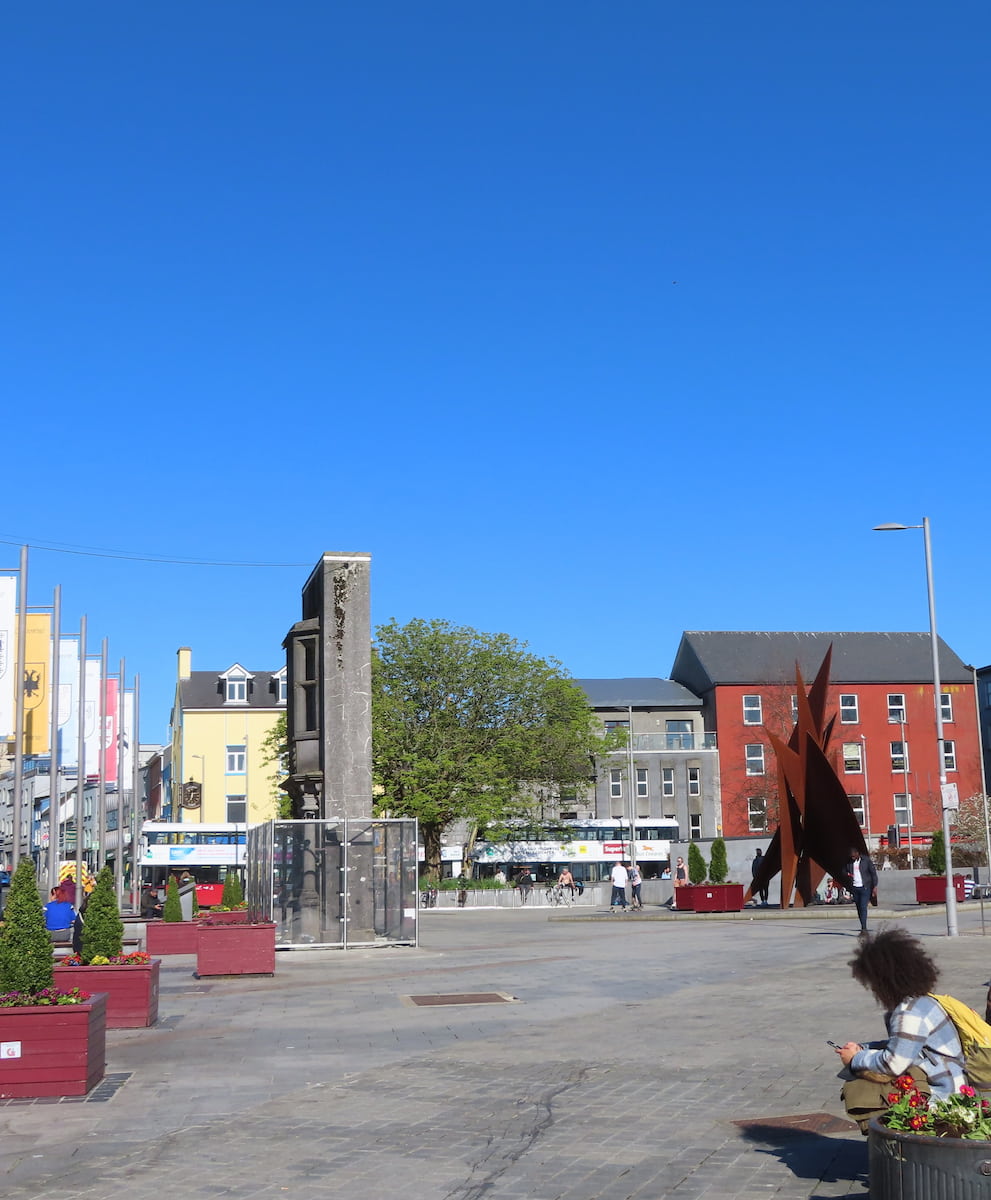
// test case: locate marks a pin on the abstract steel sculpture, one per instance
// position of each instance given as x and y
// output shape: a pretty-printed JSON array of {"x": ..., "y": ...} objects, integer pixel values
[{"x": 818, "y": 827}]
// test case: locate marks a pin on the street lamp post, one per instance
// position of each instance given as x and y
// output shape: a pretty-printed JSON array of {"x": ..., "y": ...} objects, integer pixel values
[{"x": 951, "y": 897}]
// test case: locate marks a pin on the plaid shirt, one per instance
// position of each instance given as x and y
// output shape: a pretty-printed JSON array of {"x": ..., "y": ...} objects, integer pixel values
[{"x": 920, "y": 1035}]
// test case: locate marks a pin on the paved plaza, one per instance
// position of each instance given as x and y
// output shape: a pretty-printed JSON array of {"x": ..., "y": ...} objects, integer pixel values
[{"x": 636, "y": 1059}]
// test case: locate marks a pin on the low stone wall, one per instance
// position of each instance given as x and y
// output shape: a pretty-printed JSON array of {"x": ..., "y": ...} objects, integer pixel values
[{"x": 512, "y": 898}]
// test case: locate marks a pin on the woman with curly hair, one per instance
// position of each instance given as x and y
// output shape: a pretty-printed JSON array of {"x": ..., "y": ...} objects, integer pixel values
[{"x": 922, "y": 1040}]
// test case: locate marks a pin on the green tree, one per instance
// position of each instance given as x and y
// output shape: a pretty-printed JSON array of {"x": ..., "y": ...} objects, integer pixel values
[
  {"x": 696, "y": 864},
  {"x": 937, "y": 854},
  {"x": 233, "y": 893},
  {"x": 172, "y": 908},
  {"x": 103, "y": 930},
  {"x": 470, "y": 726},
  {"x": 275, "y": 753},
  {"x": 26, "y": 960},
  {"x": 718, "y": 866}
]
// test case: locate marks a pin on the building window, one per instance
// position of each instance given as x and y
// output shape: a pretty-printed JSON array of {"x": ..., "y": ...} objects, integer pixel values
[
  {"x": 695, "y": 781},
  {"x": 667, "y": 781},
  {"x": 794, "y": 709},
  {"x": 235, "y": 760},
  {"x": 694, "y": 825},
  {"x": 903, "y": 808},
  {"x": 853, "y": 757},
  {"x": 237, "y": 808},
  {"x": 642, "y": 792},
  {"x": 611, "y": 725},
  {"x": 899, "y": 756},
  {"x": 757, "y": 814},
  {"x": 755, "y": 759},
  {"x": 237, "y": 689},
  {"x": 950, "y": 755},
  {"x": 896, "y": 707},
  {"x": 283, "y": 687},
  {"x": 859, "y": 809},
  {"x": 752, "y": 711},
  {"x": 615, "y": 784},
  {"x": 679, "y": 735},
  {"x": 946, "y": 700},
  {"x": 849, "y": 709}
]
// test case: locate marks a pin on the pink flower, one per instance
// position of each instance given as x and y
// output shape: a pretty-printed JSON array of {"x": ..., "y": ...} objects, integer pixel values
[{"x": 967, "y": 1090}]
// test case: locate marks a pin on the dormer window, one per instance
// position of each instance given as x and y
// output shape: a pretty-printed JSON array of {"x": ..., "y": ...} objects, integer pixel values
[
  {"x": 281, "y": 686},
  {"x": 234, "y": 682}
]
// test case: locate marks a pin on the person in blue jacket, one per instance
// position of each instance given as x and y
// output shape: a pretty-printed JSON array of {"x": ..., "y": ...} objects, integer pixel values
[{"x": 60, "y": 916}]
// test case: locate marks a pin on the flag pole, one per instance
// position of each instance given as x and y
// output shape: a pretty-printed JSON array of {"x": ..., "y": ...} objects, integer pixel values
[
  {"x": 20, "y": 659},
  {"x": 101, "y": 790},
  {"x": 135, "y": 790},
  {"x": 81, "y": 761},
  {"x": 54, "y": 755},
  {"x": 119, "y": 856}
]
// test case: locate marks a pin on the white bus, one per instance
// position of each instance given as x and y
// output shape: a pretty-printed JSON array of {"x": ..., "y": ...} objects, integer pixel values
[
  {"x": 206, "y": 852},
  {"x": 591, "y": 851}
]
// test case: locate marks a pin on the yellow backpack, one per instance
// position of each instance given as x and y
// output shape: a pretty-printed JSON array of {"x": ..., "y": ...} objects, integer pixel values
[{"x": 975, "y": 1038}]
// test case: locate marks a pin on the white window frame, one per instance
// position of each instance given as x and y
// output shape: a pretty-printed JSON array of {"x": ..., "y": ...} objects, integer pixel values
[
  {"x": 950, "y": 754},
  {"x": 853, "y": 753},
  {"x": 237, "y": 758},
  {"x": 899, "y": 757},
  {"x": 859, "y": 806},
  {"x": 946, "y": 700},
  {"x": 695, "y": 781},
  {"x": 755, "y": 758},
  {"x": 694, "y": 825},
  {"x": 237, "y": 688},
  {"x": 753, "y": 713},
  {"x": 236, "y": 799},
  {"x": 903, "y": 811},
  {"x": 849, "y": 703},
  {"x": 643, "y": 786},
  {"x": 667, "y": 781},
  {"x": 615, "y": 784},
  {"x": 897, "y": 708},
  {"x": 757, "y": 814}
]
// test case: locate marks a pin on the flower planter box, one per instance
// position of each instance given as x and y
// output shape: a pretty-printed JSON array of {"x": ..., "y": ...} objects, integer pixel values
[
  {"x": 171, "y": 937},
  {"x": 53, "y": 1050},
  {"x": 132, "y": 991},
  {"x": 225, "y": 949},
  {"x": 717, "y": 897},
  {"x": 906, "y": 1166},
  {"x": 684, "y": 898},
  {"x": 931, "y": 889},
  {"x": 236, "y": 916}
]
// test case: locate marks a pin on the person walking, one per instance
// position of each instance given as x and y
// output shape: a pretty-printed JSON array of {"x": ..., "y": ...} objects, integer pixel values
[
  {"x": 524, "y": 883},
  {"x": 636, "y": 881},
  {"x": 620, "y": 877},
  {"x": 680, "y": 879},
  {"x": 860, "y": 880},
  {"x": 755, "y": 867}
]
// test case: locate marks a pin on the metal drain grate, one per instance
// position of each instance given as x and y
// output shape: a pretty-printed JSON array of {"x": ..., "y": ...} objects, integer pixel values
[
  {"x": 808, "y": 1123},
  {"x": 104, "y": 1091},
  {"x": 461, "y": 998}
]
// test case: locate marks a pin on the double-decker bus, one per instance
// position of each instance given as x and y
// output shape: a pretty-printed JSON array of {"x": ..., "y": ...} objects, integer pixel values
[
  {"x": 590, "y": 851},
  {"x": 205, "y": 852}
]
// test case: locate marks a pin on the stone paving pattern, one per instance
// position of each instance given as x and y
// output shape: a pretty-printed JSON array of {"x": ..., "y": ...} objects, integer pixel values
[{"x": 633, "y": 1047}]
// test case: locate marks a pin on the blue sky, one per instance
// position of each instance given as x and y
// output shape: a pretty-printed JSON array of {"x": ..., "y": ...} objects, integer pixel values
[{"x": 591, "y": 322}]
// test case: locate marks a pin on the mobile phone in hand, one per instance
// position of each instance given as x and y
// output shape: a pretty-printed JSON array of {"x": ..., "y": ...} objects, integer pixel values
[{"x": 833, "y": 1044}]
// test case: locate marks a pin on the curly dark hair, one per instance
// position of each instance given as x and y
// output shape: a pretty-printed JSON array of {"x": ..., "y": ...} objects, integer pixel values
[{"x": 894, "y": 967}]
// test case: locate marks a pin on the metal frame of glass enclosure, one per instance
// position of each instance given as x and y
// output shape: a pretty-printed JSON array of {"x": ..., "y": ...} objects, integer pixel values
[{"x": 335, "y": 883}]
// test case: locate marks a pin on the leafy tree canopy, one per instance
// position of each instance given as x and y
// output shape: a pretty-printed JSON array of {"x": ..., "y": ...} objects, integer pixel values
[{"x": 469, "y": 725}]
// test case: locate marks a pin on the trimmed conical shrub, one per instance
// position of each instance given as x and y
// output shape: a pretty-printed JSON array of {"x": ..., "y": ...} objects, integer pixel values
[
  {"x": 233, "y": 893},
  {"x": 937, "y": 854},
  {"x": 103, "y": 930},
  {"x": 26, "y": 959},
  {"x": 172, "y": 908},
  {"x": 718, "y": 866},
  {"x": 696, "y": 864}
]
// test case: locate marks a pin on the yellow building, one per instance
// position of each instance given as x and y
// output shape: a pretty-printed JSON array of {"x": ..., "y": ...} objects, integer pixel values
[{"x": 219, "y": 722}]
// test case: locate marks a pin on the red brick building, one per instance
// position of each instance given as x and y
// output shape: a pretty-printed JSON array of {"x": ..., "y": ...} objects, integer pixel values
[{"x": 883, "y": 745}]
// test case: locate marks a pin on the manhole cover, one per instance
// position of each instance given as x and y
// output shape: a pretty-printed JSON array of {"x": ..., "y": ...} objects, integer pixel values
[
  {"x": 461, "y": 998},
  {"x": 807, "y": 1123}
]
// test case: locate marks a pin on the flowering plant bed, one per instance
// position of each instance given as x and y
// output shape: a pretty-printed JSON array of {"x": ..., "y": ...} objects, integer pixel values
[
  {"x": 227, "y": 916},
  {"x": 52, "y": 1048},
  {"x": 171, "y": 937},
  {"x": 965, "y": 1114},
  {"x": 225, "y": 949},
  {"x": 129, "y": 980},
  {"x": 48, "y": 997}
]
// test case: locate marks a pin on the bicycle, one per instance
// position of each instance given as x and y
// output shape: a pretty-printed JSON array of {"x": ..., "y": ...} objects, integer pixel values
[
  {"x": 557, "y": 893},
  {"x": 428, "y": 898}
]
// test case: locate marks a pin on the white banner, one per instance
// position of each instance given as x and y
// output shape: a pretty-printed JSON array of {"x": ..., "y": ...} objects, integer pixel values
[
  {"x": 8, "y": 633},
  {"x": 92, "y": 718},
  {"x": 68, "y": 701},
  {"x": 127, "y": 726}
]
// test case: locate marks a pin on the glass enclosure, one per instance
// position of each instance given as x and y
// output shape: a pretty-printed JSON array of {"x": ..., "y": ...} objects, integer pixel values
[{"x": 335, "y": 883}]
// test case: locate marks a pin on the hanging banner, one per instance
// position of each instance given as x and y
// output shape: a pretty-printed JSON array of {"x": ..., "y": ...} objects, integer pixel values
[
  {"x": 127, "y": 728},
  {"x": 110, "y": 732},
  {"x": 8, "y": 632},
  {"x": 91, "y": 718},
  {"x": 68, "y": 701},
  {"x": 37, "y": 671}
]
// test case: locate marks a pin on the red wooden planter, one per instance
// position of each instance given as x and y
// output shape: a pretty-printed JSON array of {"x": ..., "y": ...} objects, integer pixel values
[
  {"x": 132, "y": 991},
  {"x": 236, "y": 949},
  {"x": 931, "y": 889},
  {"x": 53, "y": 1050},
  {"x": 236, "y": 916},
  {"x": 171, "y": 937},
  {"x": 717, "y": 897},
  {"x": 684, "y": 898}
]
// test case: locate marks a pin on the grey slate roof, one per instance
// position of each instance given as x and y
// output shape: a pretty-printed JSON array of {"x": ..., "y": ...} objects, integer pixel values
[
  {"x": 641, "y": 693},
  {"x": 707, "y": 658},
  {"x": 205, "y": 689}
]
